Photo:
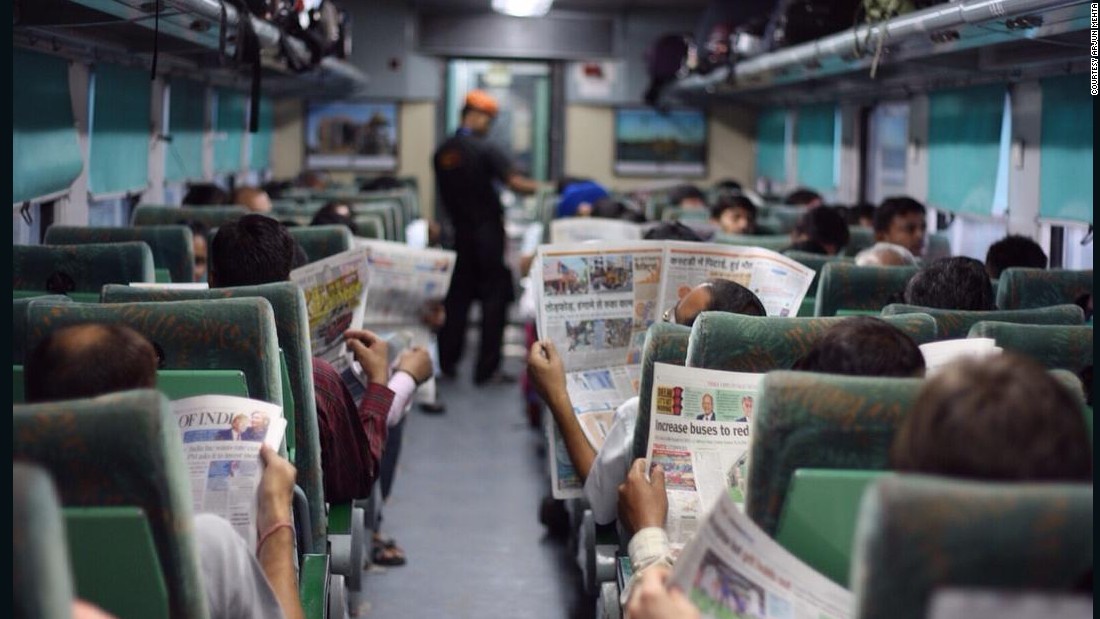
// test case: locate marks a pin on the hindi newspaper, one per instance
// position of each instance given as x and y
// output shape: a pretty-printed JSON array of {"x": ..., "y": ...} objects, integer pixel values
[
  {"x": 221, "y": 445},
  {"x": 404, "y": 280},
  {"x": 699, "y": 431},
  {"x": 938, "y": 354},
  {"x": 732, "y": 569}
]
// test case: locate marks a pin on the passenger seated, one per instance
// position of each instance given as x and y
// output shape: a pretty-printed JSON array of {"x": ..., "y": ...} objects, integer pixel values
[
  {"x": 958, "y": 283},
  {"x": 687, "y": 197},
  {"x": 672, "y": 231},
  {"x": 734, "y": 215},
  {"x": 863, "y": 346},
  {"x": 883, "y": 254},
  {"x": 610, "y": 208},
  {"x": 578, "y": 198},
  {"x": 901, "y": 220},
  {"x": 804, "y": 197},
  {"x": 205, "y": 194},
  {"x": 862, "y": 214},
  {"x": 382, "y": 183},
  {"x": 728, "y": 186},
  {"x": 199, "y": 245},
  {"x": 312, "y": 179},
  {"x": 85, "y": 361},
  {"x": 1014, "y": 251},
  {"x": 335, "y": 214},
  {"x": 254, "y": 199},
  {"x": 821, "y": 231}
]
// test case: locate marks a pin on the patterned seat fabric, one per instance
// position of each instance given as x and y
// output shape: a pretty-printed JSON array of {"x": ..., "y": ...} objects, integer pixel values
[
  {"x": 917, "y": 533},
  {"x": 1055, "y": 346},
  {"x": 847, "y": 286},
  {"x": 774, "y": 242},
  {"x": 732, "y": 342},
  {"x": 808, "y": 420},
  {"x": 292, "y": 328},
  {"x": 1019, "y": 288},
  {"x": 816, "y": 262},
  {"x": 859, "y": 239},
  {"x": 211, "y": 216},
  {"x": 43, "y": 586},
  {"x": 173, "y": 247},
  {"x": 664, "y": 343},
  {"x": 121, "y": 449},
  {"x": 20, "y": 309},
  {"x": 320, "y": 242},
  {"x": 230, "y": 334},
  {"x": 955, "y": 324},
  {"x": 80, "y": 268}
]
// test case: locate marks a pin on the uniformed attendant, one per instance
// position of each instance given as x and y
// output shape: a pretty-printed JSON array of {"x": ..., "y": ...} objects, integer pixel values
[{"x": 469, "y": 172}]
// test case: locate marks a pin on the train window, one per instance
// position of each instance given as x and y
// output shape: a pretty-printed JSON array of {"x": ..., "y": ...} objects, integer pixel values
[
  {"x": 887, "y": 140},
  {"x": 109, "y": 213}
]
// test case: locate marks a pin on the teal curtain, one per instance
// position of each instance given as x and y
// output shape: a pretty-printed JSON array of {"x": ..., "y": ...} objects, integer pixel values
[
  {"x": 186, "y": 119},
  {"x": 260, "y": 157},
  {"x": 815, "y": 139},
  {"x": 771, "y": 145},
  {"x": 229, "y": 130},
  {"x": 118, "y": 147},
  {"x": 964, "y": 147},
  {"x": 45, "y": 153},
  {"x": 1065, "y": 164}
]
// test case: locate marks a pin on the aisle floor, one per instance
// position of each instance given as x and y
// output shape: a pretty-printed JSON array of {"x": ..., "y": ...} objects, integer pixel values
[{"x": 464, "y": 507}]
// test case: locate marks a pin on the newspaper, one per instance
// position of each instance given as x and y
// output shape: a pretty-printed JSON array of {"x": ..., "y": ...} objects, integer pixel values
[
  {"x": 336, "y": 295},
  {"x": 699, "y": 432},
  {"x": 939, "y": 354},
  {"x": 581, "y": 229},
  {"x": 733, "y": 569},
  {"x": 403, "y": 280},
  {"x": 221, "y": 445},
  {"x": 565, "y": 482}
]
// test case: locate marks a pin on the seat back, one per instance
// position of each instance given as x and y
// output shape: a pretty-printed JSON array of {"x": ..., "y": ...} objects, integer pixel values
[
  {"x": 859, "y": 239},
  {"x": 847, "y": 286},
  {"x": 774, "y": 242},
  {"x": 1019, "y": 288},
  {"x": 20, "y": 309},
  {"x": 808, "y": 420},
  {"x": 955, "y": 324},
  {"x": 172, "y": 246},
  {"x": 664, "y": 343},
  {"x": 42, "y": 587},
  {"x": 1067, "y": 347},
  {"x": 816, "y": 262},
  {"x": 229, "y": 334},
  {"x": 86, "y": 268},
  {"x": 292, "y": 329},
  {"x": 917, "y": 534},
  {"x": 320, "y": 242},
  {"x": 211, "y": 216},
  {"x": 121, "y": 450},
  {"x": 736, "y": 343}
]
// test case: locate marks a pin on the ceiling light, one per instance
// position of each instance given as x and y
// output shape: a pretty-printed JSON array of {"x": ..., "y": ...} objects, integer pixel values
[{"x": 522, "y": 8}]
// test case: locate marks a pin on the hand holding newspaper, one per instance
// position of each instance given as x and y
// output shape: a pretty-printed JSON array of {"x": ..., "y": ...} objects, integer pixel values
[{"x": 221, "y": 445}]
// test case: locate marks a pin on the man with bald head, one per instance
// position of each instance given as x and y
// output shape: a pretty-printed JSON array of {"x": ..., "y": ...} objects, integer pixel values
[
  {"x": 84, "y": 361},
  {"x": 883, "y": 254},
  {"x": 254, "y": 199}
]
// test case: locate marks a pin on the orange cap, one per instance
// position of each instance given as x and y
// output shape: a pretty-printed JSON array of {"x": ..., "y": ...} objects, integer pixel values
[{"x": 482, "y": 101}]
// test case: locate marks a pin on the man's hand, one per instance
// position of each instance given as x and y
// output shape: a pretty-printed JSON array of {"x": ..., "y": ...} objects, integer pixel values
[
  {"x": 643, "y": 502},
  {"x": 654, "y": 599},
  {"x": 276, "y": 489},
  {"x": 546, "y": 371},
  {"x": 371, "y": 352},
  {"x": 417, "y": 362}
]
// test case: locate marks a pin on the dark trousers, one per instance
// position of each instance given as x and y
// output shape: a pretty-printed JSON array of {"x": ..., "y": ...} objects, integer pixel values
[
  {"x": 480, "y": 274},
  {"x": 392, "y": 450}
]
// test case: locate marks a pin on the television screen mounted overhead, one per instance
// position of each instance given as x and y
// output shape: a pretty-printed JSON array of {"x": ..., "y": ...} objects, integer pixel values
[
  {"x": 351, "y": 135},
  {"x": 651, "y": 143}
]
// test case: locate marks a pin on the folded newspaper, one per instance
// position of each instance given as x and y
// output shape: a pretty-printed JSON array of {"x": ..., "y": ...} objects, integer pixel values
[
  {"x": 221, "y": 445},
  {"x": 938, "y": 354},
  {"x": 565, "y": 481},
  {"x": 699, "y": 431}
]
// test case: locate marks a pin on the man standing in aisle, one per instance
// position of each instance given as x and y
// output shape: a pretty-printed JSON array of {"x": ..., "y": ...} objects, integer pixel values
[{"x": 469, "y": 172}]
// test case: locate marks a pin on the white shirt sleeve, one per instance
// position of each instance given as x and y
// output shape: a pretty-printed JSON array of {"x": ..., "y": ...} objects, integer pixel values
[
  {"x": 647, "y": 548},
  {"x": 612, "y": 463}
]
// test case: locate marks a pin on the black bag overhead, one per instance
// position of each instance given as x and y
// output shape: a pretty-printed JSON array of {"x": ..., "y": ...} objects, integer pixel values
[{"x": 801, "y": 21}]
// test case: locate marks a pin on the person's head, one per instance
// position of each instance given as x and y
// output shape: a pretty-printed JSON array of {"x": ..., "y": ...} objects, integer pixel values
[
  {"x": 671, "y": 231},
  {"x": 84, "y": 361},
  {"x": 901, "y": 220},
  {"x": 240, "y": 422},
  {"x": 610, "y": 208},
  {"x": 707, "y": 403},
  {"x": 479, "y": 111},
  {"x": 254, "y": 199},
  {"x": 382, "y": 183},
  {"x": 863, "y": 346},
  {"x": 998, "y": 418},
  {"x": 311, "y": 179},
  {"x": 862, "y": 214},
  {"x": 746, "y": 406},
  {"x": 687, "y": 197},
  {"x": 715, "y": 295},
  {"x": 1014, "y": 251},
  {"x": 734, "y": 215},
  {"x": 335, "y": 214},
  {"x": 259, "y": 421},
  {"x": 957, "y": 283},
  {"x": 200, "y": 246},
  {"x": 252, "y": 250},
  {"x": 823, "y": 225},
  {"x": 728, "y": 185},
  {"x": 205, "y": 194},
  {"x": 883, "y": 254},
  {"x": 579, "y": 198},
  {"x": 804, "y": 197}
]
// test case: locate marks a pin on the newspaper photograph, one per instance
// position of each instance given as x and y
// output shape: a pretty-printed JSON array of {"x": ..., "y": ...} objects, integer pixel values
[
  {"x": 699, "y": 431},
  {"x": 585, "y": 229},
  {"x": 595, "y": 395},
  {"x": 404, "y": 280},
  {"x": 733, "y": 570},
  {"x": 221, "y": 444},
  {"x": 565, "y": 482}
]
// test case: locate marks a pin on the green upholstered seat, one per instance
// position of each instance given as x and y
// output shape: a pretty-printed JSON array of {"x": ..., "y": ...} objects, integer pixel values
[
  {"x": 808, "y": 420},
  {"x": 816, "y": 262},
  {"x": 954, "y": 324},
  {"x": 774, "y": 242},
  {"x": 391, "y": 213},
  {"x": 1068, "y": 347},
  {"x": 211, "y": 216},
  {"x": 369, "y": 225},
  {"x": 938, "y": 246},
  {"x": 859, "y": 239},
  {"x": 173, "y": 247},
  {"x": 229, "y": 334},
  {"x": 87, "y": 267},
  {"x": 783, "y": 218},
  {"x": 917, "y": 534},
  {"x": 676, "y": 213},
  {"x": 42, "y": 583},
  {"x": 292, "y": 329},
  {"x": 121, "y": 450},
  {"x": 732, "y": 342},
  {"x": 849, "y": 287},
  {"x": 320, "y": 242},
  {"x": 664, "y": 343},
  {"x": 20, "y": 308},
  {"x": 1019, "y": 288}
]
